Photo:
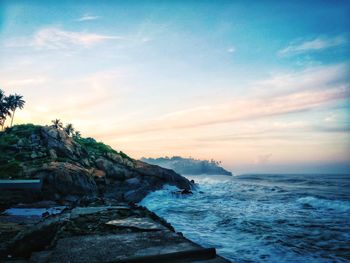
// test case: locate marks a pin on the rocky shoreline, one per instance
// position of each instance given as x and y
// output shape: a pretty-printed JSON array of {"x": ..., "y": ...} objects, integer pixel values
[
  {"x": 79, "y": 203},
  {"x": 72, "y": 167}
]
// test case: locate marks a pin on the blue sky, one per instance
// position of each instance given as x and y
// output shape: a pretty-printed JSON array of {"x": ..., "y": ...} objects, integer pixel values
[{"x": 261, "y": 85}]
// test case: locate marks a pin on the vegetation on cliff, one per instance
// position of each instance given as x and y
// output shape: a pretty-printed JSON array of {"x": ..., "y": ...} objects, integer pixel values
[
  {"x": 20, "y": 147},
  {"x": 70, "y": 165},
  {"x": 188, "y": 165}
]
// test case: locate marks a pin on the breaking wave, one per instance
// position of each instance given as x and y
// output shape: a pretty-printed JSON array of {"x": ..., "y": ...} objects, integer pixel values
[{"x": 262, "y": 218}]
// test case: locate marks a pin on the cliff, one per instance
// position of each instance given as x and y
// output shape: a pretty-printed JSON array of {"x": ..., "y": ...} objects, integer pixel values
[
  {"x": 85, "y": 200},
  {"x": 71, "y": 167},
  {"x": 188, "y": 165}
]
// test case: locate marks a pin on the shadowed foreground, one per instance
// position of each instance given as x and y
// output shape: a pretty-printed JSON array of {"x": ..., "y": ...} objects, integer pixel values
[{"x": 100, "y": 231}]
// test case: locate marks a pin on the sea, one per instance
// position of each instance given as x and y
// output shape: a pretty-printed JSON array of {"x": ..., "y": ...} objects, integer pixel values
[{"x": 263, "y": 218}]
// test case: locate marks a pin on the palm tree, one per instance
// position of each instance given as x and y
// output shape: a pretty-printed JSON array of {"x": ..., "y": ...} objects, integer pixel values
[
  {"x": 4, "y": 109},
  {"x": 15, "y": 102},
  {"x": 77, "y": 134},
  {"x": 57, "y": 124},
  {"x": 69, "y": 129}
]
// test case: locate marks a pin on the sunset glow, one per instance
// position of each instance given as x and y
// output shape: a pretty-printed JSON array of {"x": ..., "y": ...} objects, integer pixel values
[{"x": 263, "y": 88}]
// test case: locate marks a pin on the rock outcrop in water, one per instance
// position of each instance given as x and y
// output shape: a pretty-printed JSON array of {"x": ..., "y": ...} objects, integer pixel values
[
  {"x": 72, "y": 167},
  {"x": 188, "y": 165}
]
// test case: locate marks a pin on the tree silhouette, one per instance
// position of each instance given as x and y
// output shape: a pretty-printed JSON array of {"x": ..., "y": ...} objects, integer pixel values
[
  {"x": 15, "y": 102},
  {"x": 4, "y": 109},
  {"x": 77, "y": 134},
  {"x": 57, "y": 124},
  {"x": 69, "y": 129}
]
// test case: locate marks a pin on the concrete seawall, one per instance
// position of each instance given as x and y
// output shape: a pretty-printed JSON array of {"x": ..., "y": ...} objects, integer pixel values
[{"x": 101, "y": 231}]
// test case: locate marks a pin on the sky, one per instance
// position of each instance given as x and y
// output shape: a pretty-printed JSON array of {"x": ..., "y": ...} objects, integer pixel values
[{"x": 262, "y": 86}]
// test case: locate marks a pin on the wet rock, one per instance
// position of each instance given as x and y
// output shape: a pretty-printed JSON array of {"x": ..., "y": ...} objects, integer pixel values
[
  {"x": 133, "y": 182},
  {"x": 164, "y": 176},
  {"x": 183, "y": 192},
  {"x": 136, "y": 195}
]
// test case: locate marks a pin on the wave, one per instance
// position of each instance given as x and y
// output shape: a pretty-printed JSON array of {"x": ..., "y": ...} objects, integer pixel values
[
  {"x": 250, "y": 221},
  {"x": 318, "y": 203}
]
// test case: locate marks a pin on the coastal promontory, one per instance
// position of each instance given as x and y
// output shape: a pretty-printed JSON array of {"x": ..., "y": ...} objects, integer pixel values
[{"x": 70, "y": 166}]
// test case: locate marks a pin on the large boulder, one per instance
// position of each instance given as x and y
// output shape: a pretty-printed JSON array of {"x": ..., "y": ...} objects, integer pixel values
[
  {"x": 114, "y": 170},
  {"x": 63, "y": 145},
  {"x": 61, "y": 180},
  {"x": 163, "y": 176}
]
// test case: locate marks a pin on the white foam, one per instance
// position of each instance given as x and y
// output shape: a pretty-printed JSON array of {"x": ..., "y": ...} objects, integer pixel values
[
  {"x": 340, "y": 206},
  {"x": 246, "y": 221}
]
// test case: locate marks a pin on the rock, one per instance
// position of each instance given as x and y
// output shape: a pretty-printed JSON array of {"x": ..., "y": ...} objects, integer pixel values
[
  {"x": 98, "y": 173},
  {"x": 72, "y": 168},
  {"x": 182, "y": 192},
  {"x": 61, "y": 180},
  {"x": 112, "y": 170},
  {"x": 135, "y": 182},
  {"x": 53, "y": 154},
  {"x": 165, "y": 176},
  {"x": 34, "y": 155},
  {"x": 136, "y": 195},
  {"x": 59, "y": 141},
  {"x": 85, "y": 162},
  {"x": 115, "y": 157}
]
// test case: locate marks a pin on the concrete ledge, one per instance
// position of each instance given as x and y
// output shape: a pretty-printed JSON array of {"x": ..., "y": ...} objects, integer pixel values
[{"x": 34, "y": 184}]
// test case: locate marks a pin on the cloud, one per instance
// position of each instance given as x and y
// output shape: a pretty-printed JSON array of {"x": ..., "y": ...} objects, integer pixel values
[
  {"x": 305, "y": 90},
  {"x": 317, "y": 44},
  {"x": 311, "y": 78},
  {"x": 87, "y": 17},
  {"x": 55, "y": 38}
]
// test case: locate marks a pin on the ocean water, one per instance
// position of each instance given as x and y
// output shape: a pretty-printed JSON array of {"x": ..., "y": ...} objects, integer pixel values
[{"x": 264, "y": 218}]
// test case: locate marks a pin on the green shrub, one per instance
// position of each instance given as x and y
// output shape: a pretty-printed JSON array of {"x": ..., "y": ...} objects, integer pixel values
[
  {"x": 94, "y": 147},
  {"x": 124, "y": 155},
  {"x": 11, "y": 169},
  {"x": 8, "y": 139}
]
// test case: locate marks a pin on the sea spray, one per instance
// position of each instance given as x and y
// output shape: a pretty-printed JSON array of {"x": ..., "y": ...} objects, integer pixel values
[{"x": 264, "y": 218}]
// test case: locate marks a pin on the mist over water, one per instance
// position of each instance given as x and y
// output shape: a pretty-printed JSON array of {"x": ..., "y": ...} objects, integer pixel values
[{"x": 264, "y": 218}]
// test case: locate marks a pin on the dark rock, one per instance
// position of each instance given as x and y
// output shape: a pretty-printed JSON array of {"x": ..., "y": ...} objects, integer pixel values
[
  {"x": 136, "y": 195},
  {"x": 164, "y": 176},
  {"x": 61, "y": 180},
  {"x": 112, "y": 170},
  {"x": 183, "y": 192},
  {"x": 59, "y": 141}
]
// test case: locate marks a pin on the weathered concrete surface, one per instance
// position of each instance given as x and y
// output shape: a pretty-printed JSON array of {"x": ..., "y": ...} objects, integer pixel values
[
  {"x": 106, "y": 248},
  {"x": 139, "y": 223},
  {"x": 102, "y": 232}
]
